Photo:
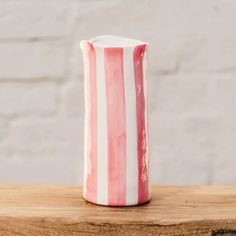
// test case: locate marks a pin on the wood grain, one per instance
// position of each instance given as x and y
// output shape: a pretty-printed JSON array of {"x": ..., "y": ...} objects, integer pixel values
[{"x": 173, "y": 210}]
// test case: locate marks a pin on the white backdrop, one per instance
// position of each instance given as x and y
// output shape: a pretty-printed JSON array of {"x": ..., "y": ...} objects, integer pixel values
[{"x": 192, "y": 86}]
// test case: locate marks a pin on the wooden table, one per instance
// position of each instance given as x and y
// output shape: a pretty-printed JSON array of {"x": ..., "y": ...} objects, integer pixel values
[{"x": 173, "y": 210}]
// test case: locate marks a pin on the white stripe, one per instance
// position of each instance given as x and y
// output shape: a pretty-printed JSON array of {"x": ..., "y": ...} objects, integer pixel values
[
  {"x": 86, "y": 87},
  {"x": 102, "y": 149},
  {"x": 131, "y": 129}
]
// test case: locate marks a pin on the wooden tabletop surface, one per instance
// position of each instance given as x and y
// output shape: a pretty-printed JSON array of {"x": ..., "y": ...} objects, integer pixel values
[{"x": 173, "y": 210}]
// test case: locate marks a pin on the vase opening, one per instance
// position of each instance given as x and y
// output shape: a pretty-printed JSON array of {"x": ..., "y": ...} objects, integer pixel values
[{"x": 112, "y": 41}]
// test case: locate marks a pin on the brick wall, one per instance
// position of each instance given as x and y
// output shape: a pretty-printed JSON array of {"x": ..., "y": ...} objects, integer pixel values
[{"x": 192, "y": 86}]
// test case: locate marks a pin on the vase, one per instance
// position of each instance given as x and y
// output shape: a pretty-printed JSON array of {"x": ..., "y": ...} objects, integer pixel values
[{"x": 116, "y": 171}]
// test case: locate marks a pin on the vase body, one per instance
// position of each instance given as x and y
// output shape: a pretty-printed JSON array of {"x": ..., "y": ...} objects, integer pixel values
[{"x": 116, "y": 171}]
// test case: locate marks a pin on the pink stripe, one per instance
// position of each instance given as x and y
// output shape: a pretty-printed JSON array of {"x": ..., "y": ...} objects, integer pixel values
[
  {"x": 141, "y": 129},
  {"x": 91, "y": 183},
  {"x": 116, "y": 126}
]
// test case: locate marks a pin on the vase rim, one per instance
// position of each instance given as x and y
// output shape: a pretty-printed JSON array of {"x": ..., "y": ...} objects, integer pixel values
[{"x": 112, "y": 41}]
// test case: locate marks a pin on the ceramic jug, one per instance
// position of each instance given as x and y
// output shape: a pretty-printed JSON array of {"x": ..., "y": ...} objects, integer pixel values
[{"x": 116, "y": 169}]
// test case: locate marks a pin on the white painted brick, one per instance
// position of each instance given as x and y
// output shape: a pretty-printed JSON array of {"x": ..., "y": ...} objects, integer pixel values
[
  {"x": 193, "y": 94},
  {"x": 42, "y": 151},
  {"x": 4, "y": 149},
  {"x": 192, "y": 128},
  {"x": 50, "y": 150},
  {"x": 163, "y": 55},
  {"x": 46, "y": 170},
  {"x": 22, "y": 19},
  {"x": 222, "y": 96},
  {"x": 75, "y": 69},
  {"x": 181, "y": 148},
  {"x": 55, "y": 137},
  {"x": 21, "y": 99},
  {"x": 223, "y": 164},
  {"x": 73, "y": 99},
  {"x": 179, "y": 18},
  {"x": 32, "y": 60},
  {"x": 208, "y": 55},
  {"x": 204, "y": 31},
  {"x": 180, "y": 94},
  {"x": 3, "y": 131}
]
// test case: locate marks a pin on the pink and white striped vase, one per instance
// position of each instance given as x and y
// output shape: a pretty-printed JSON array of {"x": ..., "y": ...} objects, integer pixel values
[{"x": 116, "y": 169}]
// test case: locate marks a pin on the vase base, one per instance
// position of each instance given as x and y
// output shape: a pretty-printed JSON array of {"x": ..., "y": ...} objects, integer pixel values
[{"x": 115, "y": 205}]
